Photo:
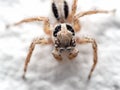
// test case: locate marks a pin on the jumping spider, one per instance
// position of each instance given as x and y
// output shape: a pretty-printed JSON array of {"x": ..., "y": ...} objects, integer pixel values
[{"x": 62, "y": 32}]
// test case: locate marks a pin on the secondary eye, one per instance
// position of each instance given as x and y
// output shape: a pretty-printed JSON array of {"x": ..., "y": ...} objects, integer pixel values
[
  {"x": 57, "y": 29},
  {"x": 70, "y": 29}
]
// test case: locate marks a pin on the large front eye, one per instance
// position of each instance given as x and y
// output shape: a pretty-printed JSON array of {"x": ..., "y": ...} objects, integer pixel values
[
  {"x": 57, "y": 29},
  {"x": 70, "y": 29}
]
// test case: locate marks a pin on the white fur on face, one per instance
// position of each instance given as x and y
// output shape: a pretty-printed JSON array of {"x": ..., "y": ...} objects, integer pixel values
[{"x": 64, "y": 36}]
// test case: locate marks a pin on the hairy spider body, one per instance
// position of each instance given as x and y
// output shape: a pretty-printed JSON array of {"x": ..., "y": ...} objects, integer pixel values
[
  {"x": 63, "y": 33},
  {"x": 64, "y": 38}
]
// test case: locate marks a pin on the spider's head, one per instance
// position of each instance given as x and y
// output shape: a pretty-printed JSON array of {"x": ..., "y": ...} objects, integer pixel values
[{"x": 64, "y": 37}]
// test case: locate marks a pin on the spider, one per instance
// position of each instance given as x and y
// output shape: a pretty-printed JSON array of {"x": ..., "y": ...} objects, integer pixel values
[{"x": 62, "y": 32}]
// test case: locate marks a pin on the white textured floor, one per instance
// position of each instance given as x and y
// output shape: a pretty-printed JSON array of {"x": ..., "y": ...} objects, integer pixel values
[{"x": 44, "y": 72}]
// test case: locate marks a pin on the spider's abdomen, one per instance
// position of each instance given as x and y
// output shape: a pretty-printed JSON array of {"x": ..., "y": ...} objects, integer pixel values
[
  {"x": 60, "y": 10},
  {"x": 66, "y": 9},
  {"x": 55, "y": 11}
]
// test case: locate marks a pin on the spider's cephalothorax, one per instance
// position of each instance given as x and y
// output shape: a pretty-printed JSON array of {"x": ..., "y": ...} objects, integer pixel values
[{"x": 64, "y": 38}]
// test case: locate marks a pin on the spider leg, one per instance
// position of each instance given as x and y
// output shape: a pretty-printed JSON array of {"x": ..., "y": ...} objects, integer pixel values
[
  {"x": 31, "y": 48},
  {"x": 44, "y": 19},
  {"x": 73, "y": 11},
  {"x": 74, "y": 7},
  {"x": 76, "y": 22},
  {"x": 86, "y": 40},
  {"x": 81, "y": 14}
]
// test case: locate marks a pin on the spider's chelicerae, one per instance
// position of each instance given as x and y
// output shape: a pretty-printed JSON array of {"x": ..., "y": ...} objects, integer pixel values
[{"x": 62, "y": 32}]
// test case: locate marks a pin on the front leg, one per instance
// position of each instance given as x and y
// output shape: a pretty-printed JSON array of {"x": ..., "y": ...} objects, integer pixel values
[
  {"x": 86, "y": 40},
  {"x": 32, "y": 46}
]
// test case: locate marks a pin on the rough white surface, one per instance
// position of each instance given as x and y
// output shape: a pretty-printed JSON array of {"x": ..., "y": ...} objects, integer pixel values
[{"x": 44, "y": 72}]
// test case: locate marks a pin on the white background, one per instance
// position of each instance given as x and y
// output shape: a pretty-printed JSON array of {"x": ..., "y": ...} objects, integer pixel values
[{"x": 44, "y": 72}]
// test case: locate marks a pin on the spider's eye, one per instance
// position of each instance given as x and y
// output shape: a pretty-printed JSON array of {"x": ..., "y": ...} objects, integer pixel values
[
  {"x": 57, "y": 29},
  {"x": 70, "y": 29}
]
